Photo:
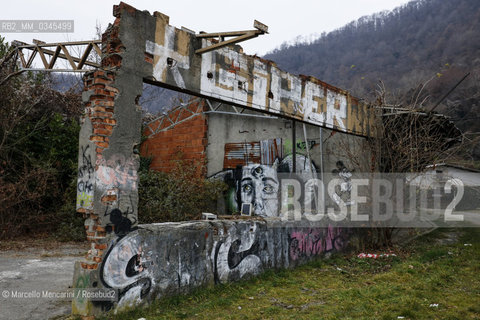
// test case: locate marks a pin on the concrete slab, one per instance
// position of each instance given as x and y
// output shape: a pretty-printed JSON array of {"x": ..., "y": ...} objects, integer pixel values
[{"x": 25, "y": 276}]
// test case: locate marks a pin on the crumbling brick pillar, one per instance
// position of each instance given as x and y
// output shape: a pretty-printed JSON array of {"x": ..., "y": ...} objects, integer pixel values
[
  {"x": 98, "y": 123},
  {"x": 107, "y": 193}
]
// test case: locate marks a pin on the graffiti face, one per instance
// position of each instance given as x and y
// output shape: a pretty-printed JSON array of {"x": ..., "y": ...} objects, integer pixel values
[
  {"x": 259, "y": 186},
  {"x": 343, "y": 191}
]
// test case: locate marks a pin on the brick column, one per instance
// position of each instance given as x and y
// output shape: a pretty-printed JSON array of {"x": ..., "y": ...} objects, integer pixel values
[
  {"x": 107, "y": 194},
  {"x": 97, "y": 126}
]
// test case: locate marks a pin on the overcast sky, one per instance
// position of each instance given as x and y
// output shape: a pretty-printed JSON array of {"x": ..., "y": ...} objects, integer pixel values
[{"x": 285, "y": 19}]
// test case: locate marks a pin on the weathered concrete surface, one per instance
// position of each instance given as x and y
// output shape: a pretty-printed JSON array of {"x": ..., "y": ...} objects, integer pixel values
[
  {"x": 36, "y": 269},
  {"x": 327, "y": 148},
  {"x": 155, "y": 260},
  {"x": 171, "y": 258},
  {"x": 232, "y": 77}
]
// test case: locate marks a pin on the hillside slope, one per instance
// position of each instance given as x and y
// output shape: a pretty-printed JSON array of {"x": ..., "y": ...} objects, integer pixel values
[{"x": 434, "y": 41}]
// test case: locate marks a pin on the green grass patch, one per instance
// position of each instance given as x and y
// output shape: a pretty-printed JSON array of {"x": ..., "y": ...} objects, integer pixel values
[{"x": 425, "y": 272}]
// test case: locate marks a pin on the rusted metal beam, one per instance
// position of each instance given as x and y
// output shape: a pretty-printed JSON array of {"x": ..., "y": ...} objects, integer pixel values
[
  {"x": 22, "y": 58},
  {"x": 85, "y": 56},
  {"x": 68, "y": 56},
  {"x": 260, "y": 26},
  {"x": 61, "y": 51},
  {"x": 52, "y": 70},
  {"x": 97, "y": 49},
  {"x": 239, "y": 37},
  {"x": 32, "y": 56},
  {"x": 54, "y": 57},
  {"x": 55, "y": 44},
  {"x": 42, "y": 56},
  {"x": 247, "y": 36},
  {"x": 166, "y": 122},
  {"x": 61, "y": 55},
  {"x": 224, "y": 34}
]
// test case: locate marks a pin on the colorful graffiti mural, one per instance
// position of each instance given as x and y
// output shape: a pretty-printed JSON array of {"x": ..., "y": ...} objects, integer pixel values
[{"x": 159, "y": 259}]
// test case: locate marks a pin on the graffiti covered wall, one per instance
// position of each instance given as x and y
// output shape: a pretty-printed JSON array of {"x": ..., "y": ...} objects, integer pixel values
[
  {"x": 252, "y": 154},
  {"x": 152, "y": 261},
  {"x": 171, "y": 258},
  {"x": 248, "y": 81}
]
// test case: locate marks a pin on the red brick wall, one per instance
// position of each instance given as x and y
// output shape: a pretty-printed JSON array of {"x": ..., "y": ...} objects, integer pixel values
[
  {"x": 100, "y": 108},
  {"x": 185, "y": 141}
]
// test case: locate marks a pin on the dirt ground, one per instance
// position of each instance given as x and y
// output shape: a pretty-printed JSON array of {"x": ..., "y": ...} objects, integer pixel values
[{"x": 30, "y": 267}]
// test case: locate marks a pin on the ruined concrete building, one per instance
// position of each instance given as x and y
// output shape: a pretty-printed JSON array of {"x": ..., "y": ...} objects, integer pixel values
[
  {"x": 286, "y": 146},
  {"x": 226, "y": 144},
  {"x": 252, "y": 123}
]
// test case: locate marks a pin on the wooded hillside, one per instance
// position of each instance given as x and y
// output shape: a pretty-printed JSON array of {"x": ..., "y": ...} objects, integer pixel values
[{"x": 426, "y": 41}]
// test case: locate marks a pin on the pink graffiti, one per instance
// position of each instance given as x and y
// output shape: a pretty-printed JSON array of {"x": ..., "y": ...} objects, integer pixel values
[
  {"x": 312, "y": 242},
  {"x": 117, "y": 172}
]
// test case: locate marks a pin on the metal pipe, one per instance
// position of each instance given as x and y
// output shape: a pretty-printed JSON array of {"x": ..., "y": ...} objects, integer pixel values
[
  {"x": 307, "y": 148},
  {"x": 321, "y": 164},
  {"x": 450, "y": 91},
  {"x": 294, "y": 147},
  {"x": 310, "y": 162},
  {"x": 241, "y": 114}
]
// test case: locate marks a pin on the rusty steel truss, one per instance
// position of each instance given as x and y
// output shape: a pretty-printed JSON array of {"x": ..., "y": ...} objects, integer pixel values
[
  {"x": 49, "y": 53},
  {"x": 184, "y": 112},
  {"x": 77, "y": 53}
]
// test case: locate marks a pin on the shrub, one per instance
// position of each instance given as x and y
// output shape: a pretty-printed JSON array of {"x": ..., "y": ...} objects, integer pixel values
[
  {"x": 38, "y": 153},
  {"x": 176, "y": 196}
]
